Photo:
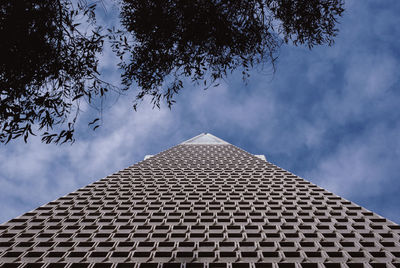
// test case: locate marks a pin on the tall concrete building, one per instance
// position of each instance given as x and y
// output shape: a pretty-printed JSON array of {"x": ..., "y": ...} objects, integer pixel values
[{"x": 203, "y": 203}]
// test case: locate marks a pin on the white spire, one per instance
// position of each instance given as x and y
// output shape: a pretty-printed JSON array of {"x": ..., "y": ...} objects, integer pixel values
[{"x": 205, "y": 138}]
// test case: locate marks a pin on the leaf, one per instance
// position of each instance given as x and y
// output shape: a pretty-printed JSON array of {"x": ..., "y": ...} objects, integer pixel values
[
  {"x": 77, "y": 97},
  {"x": 94, "y": 121}
]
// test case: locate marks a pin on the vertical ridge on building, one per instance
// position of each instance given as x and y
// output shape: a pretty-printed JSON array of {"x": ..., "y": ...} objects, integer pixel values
[{"x": 203, "y": 203}]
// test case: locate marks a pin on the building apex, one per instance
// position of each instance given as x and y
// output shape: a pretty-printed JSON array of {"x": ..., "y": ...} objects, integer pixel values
[{"x": 204, "y": 138}]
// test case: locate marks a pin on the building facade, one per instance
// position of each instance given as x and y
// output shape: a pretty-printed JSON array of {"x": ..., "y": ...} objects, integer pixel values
[{"x": 203, "y": 203}]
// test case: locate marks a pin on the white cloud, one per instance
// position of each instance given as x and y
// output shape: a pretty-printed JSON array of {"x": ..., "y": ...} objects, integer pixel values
[{"x": 364, "y": 167}]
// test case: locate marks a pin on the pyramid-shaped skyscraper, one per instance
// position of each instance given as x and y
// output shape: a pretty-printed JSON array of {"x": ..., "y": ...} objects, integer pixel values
[{"x": 201, "y": 204}]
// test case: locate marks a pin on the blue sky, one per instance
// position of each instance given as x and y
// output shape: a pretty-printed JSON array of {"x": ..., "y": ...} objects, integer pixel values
[{"x": 329, "y": 115}]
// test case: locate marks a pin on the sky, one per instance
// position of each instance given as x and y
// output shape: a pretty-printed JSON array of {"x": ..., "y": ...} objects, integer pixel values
[{"x": 329, "y": 115}]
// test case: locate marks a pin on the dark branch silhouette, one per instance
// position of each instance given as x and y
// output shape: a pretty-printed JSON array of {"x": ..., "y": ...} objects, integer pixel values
[
  {"x": 204, "y": 40},
  {"x": 47, "y": 66},
  {"x": 48, "y": 60}
]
